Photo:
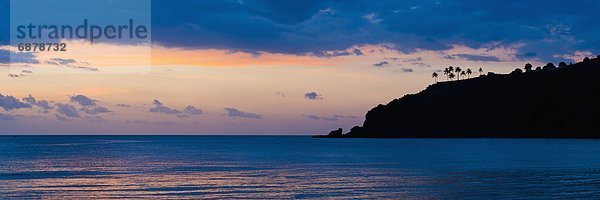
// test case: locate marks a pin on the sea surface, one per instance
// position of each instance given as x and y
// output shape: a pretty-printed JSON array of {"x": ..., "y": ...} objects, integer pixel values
[{"x": 296, "y": 167}]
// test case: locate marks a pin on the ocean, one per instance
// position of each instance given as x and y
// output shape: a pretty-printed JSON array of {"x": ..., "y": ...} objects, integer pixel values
[{"x": 296, "y": 167}]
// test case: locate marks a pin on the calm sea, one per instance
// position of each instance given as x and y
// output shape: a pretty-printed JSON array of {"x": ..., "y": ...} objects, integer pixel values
[{"x": 281, "y": 167}]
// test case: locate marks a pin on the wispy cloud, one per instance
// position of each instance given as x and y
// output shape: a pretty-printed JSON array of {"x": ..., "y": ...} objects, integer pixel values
[
  {"x": 192, "y": 110},
  {"x": 160, "y": 108},
  {"x": 313, "y": 96},
  {"x": 332, "y": 118},
  {"x": 233, "y": 112},
  {"x": 381, "y": 64},
  {"x": 7, "y": 117},
  {"x": 83, "y": 100},
  {"x": 474, "y": 57},
  {"x": 39, "y": 103},
  {"x": 67, "y": 110},
  {"x": 93, "y": 110}
]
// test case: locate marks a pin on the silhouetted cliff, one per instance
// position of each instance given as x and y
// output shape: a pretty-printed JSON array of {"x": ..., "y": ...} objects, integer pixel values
[{"x": 561, "y": 102}]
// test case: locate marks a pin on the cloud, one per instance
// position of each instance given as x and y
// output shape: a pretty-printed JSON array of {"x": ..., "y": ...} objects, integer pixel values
[
  {"x": 160, "y": 108},
  {"x": 83, "y": 100},
  {"x": 232, "y": 112},
  {"x": 357, "y": 52},
  {"x": 329, "y": 118},
  {"x": 7, "y": 57},
  {"x": 315, "y": 117},
  {"x": 67, "y": 110},
  {"x": 406, "y": 70},
  {"x": 526, "y": 55},
  {"x": 7, "y": 117},
  {"x": 576, "y": 56},
  {"x": 381, "y": 64},
  {"x": 474, "y": 57},
  {"x": 313, "y": 96},
  {"x": 10, "y": 103},
  {"x": 84, "y": 68},
  {"x": 62, "y": 61},
  {"x": 417, "y": 59},
  {"x": 60, "y": 117},
  {"x": 72, "y": 63},
  {"x": 419, "y": 64},
  {"x": 122, "y": 105},
  {"x": 93, "y": 110},
  {"x": 51, "y": 63},
  {"x": 39, "y": 103},
  {"x": 345, "y": 116},
  {"x": 314, "y": 26},
  {"x": 192, "y": 110},
  {"x": 329, "y": 54},
  {"x": 373, "y": 18},
  {"x": 312, "y": 116},
  {"x": 281, "y": 94}
]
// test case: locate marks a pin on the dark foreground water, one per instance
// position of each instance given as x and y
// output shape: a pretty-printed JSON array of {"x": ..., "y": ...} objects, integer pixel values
[{"x": 181, "y": 167}]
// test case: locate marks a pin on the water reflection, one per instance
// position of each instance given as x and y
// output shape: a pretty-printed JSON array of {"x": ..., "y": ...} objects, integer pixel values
[
  {"x": 217, "y": 182},
  {"x": 276, "y": 168}
]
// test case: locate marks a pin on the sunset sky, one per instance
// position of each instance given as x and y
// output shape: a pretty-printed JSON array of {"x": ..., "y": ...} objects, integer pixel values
[{"x": 278, "y": 67}]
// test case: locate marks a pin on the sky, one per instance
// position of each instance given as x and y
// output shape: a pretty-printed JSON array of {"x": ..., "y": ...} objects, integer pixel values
[{"x": 279, "y": 67}]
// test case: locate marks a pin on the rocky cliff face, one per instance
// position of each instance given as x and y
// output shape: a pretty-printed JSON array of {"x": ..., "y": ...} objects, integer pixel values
[{"x": 559, "y": 102}]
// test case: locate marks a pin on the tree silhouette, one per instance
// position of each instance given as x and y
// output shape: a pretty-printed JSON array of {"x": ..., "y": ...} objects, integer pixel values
[
  {"x": 517, "y": 71},
  {"x": 434, "y": 75},
  {"x": 458, "y": 71},
  {"x": 586, "y": 59},
  {"x": 480, "y": 71},
  {"x": 562, "y": 64},
  {"x": 451, "y": 76},
  {"x": 528, "y": 67},
  {"x": 549, "y": 66},
  {"x": 447, "y": 72},
  {"x": 469, "y": 72}
]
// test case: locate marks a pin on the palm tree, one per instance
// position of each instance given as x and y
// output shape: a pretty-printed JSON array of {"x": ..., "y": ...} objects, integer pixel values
[
  {"x": 463, "y": 73},
  {"x": 480, "y": 71},
  {"x": 469, "y": 72},
  {"x": 447, "y": 72},
  {"x": 451, "y": 76},
  {"x": 434, "y": 75},
  {"x": 458, "y": 70}
]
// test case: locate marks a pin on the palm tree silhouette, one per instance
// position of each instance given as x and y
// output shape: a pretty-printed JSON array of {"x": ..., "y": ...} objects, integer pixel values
[
  {"x": 469, "y": 72},
  {"x": 447, "y": 72},
  {"x": 434, "y": 75},
  {"x": 463, "y": 73},
  {"x": 458, "y": 70},
  {"x": 451, "y": 76},
  {"x": 480, "y": 71}
]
